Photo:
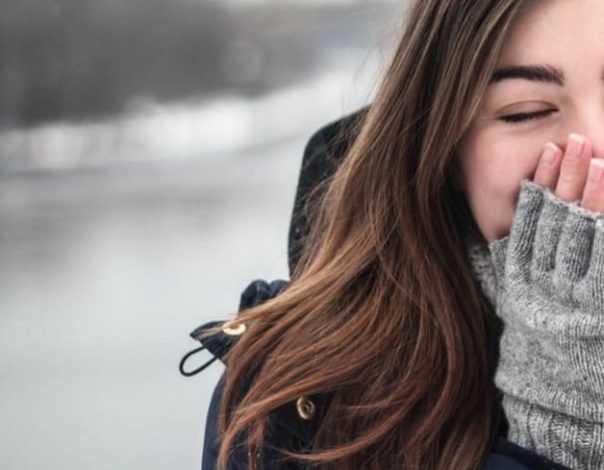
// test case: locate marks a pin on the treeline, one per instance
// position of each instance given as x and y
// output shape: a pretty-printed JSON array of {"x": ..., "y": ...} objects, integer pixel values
[{"x": 84, "y": 58}]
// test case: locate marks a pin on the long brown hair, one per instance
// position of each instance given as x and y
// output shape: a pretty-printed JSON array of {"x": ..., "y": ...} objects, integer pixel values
[{"x": 383, "y": 314}]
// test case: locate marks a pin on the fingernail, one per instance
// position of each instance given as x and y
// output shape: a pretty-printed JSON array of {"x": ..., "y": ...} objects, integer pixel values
[
  {"x": 574, "y": 147},
  {"x": 596, "y": 171},
  {"x": 550, "y": 153}
]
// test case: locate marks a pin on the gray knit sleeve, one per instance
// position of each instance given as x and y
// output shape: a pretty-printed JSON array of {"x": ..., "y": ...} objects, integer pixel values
[{"x": 550, "y": 275}]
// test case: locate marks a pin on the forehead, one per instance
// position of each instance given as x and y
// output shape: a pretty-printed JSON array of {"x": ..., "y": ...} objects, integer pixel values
[{"x": 556, "y": 31}]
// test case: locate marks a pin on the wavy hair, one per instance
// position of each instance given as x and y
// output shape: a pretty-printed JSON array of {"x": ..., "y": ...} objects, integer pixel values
[{"x": 383, "y": 313}]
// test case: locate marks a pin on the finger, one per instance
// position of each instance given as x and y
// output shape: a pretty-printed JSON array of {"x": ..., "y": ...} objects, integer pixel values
[
  {"x": 593, "y": 195},
  {"x": 548, "y": 168},
  {"x": 573, "y": 172}
]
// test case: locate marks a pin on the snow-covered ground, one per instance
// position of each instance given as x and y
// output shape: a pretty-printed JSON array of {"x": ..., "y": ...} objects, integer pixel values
[
  {"x": 103, "y": 275},
  {"x": 206, "y": 129}
]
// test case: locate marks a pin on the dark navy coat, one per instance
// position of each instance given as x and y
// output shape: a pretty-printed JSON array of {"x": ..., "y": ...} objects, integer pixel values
[{"x": 293, "y": 427}]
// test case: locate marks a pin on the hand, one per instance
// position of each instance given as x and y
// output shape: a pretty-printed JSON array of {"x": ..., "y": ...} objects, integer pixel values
[
  {"x": 573, "y": 176},
  {"x": 550, "y": 277}
]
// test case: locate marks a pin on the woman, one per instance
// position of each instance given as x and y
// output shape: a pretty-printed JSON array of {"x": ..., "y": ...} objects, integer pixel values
[{"x": 470, "y": 199}]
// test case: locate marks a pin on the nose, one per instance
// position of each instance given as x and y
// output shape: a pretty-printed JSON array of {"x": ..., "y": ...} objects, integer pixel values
[{"x": 590, "y": 126}]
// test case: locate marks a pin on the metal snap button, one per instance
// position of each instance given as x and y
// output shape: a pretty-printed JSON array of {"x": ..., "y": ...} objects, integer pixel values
[
  {"x": 233, "y": 328},
  {"x": 306, "y": 408}
]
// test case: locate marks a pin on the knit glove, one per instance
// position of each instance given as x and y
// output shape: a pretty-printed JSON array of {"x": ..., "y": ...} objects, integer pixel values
[{"x": 550, "y": 296}]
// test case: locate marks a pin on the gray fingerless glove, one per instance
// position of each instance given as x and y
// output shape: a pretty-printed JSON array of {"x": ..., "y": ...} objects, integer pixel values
[{"x": 550, "y": 296}]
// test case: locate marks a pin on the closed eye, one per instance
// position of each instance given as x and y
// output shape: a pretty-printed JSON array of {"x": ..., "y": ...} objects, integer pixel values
[{"x": 523, "y": 117}]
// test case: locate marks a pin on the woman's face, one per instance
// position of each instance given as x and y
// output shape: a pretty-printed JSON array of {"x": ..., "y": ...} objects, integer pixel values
[{"x": 549, "y": 83}]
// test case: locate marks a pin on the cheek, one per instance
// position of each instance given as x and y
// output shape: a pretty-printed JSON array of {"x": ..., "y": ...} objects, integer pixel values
[
  {"x": 497, "y": 165},
  {"x": 492, "y": 168}
]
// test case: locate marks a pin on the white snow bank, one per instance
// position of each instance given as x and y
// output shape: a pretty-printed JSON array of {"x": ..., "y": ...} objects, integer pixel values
[{"x": 194, "y": 129}]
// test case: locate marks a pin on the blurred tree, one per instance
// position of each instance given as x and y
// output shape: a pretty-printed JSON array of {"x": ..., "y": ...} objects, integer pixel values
[
  {"x": 77, "y": 58},
  {"x": 81, "y": 59}
]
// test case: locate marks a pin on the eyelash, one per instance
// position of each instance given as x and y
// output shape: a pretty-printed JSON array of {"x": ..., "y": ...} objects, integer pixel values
[{"x": 523, "y": 117}]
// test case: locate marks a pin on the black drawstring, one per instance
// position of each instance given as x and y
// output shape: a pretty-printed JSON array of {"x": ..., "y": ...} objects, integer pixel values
[
  {"x": 254, "y": 294},
  {"x": 190, "y": 373}
]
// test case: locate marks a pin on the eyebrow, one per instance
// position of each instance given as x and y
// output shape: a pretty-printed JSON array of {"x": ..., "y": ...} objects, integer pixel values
[{"x": 534, "y": 73}]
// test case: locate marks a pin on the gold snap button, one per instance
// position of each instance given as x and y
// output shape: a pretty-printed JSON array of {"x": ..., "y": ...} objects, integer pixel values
[
  {"x": 306, "y": 408},
  {"x": 233, "y": 328}
]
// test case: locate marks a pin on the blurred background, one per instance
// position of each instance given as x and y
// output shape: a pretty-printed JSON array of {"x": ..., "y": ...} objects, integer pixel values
[{"x": 149, "y": 155}]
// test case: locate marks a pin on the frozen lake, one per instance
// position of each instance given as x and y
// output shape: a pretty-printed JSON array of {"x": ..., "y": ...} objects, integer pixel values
[{"x": 104, "y": 272}]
